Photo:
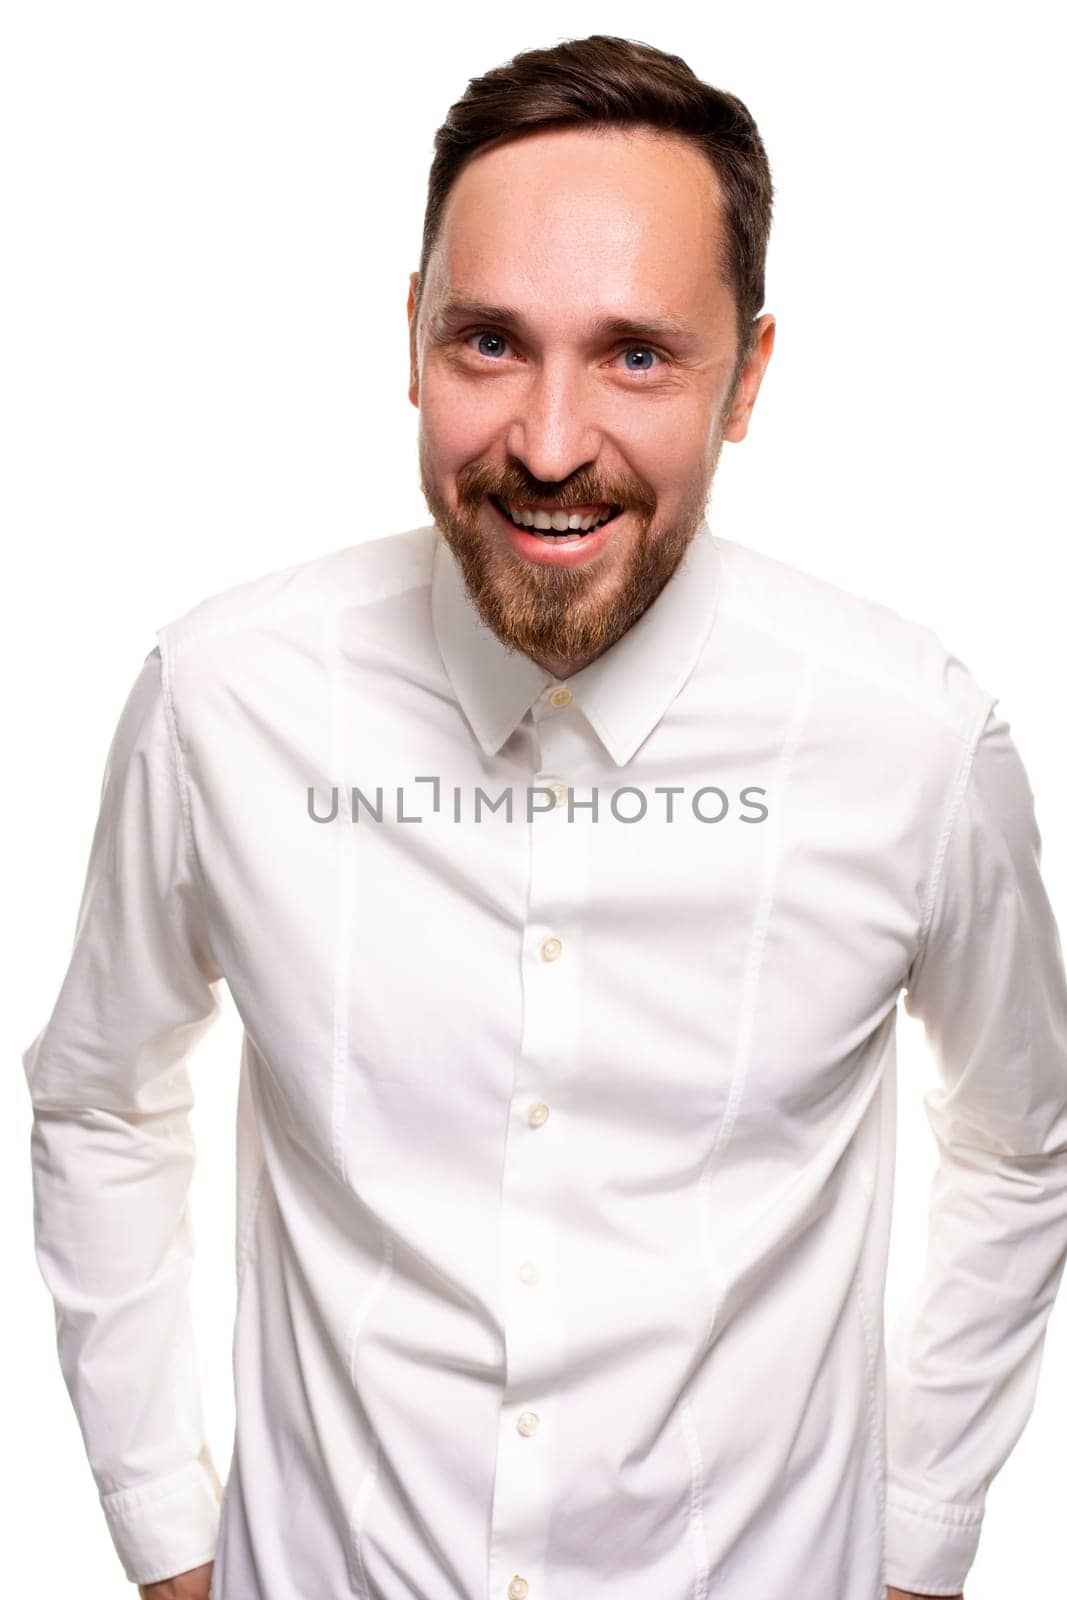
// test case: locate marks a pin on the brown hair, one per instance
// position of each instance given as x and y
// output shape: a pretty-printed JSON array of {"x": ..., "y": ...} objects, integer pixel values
[{"x": 604, "y": 81}]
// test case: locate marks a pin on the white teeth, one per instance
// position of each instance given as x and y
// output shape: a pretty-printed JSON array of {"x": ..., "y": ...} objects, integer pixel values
[{"x": 557, "y": 521}]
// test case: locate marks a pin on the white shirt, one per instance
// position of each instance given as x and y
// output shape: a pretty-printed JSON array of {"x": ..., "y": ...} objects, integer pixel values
[{"x": 565, "y": 1146}]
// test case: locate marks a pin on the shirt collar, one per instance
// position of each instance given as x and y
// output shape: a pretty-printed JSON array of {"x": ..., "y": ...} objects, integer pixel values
[{"x": 623, "y": 693}]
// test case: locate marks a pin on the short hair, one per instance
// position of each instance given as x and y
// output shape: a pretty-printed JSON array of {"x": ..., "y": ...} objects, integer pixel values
[{"x": 603, "y": 82}]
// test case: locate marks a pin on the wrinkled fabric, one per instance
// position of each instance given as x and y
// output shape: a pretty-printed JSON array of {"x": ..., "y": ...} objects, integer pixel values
[{"x": 566, "y": 1132}]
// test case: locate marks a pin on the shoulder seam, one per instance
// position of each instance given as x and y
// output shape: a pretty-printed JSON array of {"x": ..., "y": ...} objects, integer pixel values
[
  {"x": 174, "y": 740},
  {"x": 953, "y": 807},
  {"x": 172, "y": 732}
]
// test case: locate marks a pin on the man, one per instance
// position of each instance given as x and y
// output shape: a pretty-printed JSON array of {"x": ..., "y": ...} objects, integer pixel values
[{"x": 566, "y": 865}]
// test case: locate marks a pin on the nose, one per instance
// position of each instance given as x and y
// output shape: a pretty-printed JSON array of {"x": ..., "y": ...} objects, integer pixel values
[{"x": 552, "y": 431}]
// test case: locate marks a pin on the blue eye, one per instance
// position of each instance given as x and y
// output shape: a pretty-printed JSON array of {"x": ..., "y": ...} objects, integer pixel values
[
  {"x": 643, "y": 350},
  {"x": 498, "y": 337}
]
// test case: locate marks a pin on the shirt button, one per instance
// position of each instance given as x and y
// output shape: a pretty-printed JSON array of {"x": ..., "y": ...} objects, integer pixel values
[
  {"x": 559, "y": 697},
  {"x": 560, "y": 792},
  {"x": 537, "y": 1114},
  {"x": 518, "y": 1588},
  {"x": 528, "y": 1422},
  {"x": 551, "y": 947},
  {"x": 529, "y": 1272}
]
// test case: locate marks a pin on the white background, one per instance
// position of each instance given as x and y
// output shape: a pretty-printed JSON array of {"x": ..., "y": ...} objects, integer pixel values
[{"x": 211, "y": 212}]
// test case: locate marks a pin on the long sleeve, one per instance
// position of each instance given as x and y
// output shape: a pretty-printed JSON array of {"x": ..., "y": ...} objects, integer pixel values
[
  {"x": 112, "y": 1152},
  {"x": 964, "y": 1354}
]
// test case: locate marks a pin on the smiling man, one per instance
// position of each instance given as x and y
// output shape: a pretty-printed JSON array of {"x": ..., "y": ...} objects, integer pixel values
[
  {"x": 534, "y": 373},
  {"x": 590, "y": 856}
]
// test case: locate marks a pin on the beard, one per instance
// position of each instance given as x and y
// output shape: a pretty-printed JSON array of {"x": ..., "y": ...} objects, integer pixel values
[{"x": 562, "y": 614}]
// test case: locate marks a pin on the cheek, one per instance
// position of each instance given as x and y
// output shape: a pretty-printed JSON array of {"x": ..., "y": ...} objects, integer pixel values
[
  {"x": 668, "y": 441},
  {"x": 458, "y": 419}
]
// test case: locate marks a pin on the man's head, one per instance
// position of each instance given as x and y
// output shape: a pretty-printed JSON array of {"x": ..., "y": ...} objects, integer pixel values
[{"x": 584, "y": 330}]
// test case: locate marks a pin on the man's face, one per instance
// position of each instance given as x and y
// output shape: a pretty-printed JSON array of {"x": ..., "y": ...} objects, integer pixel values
[{"x": 524, "y": 399}]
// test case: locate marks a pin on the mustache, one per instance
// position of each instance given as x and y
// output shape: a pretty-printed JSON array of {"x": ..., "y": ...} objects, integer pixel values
[{"x": 583, "y": 489}]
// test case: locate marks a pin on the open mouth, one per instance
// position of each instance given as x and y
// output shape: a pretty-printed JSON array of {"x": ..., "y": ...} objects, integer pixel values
[{"x": 553, "y": 535}]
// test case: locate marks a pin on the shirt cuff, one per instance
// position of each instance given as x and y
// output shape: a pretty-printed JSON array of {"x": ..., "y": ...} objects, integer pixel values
[
  {"x": 930, "y": 1544},
  {"x": 168, "y": 1525}
]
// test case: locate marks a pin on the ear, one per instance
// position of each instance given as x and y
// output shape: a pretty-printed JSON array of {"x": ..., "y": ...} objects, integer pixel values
[
  {"x": 751, "y": 378},
  {"x": 413, "y": 373}
]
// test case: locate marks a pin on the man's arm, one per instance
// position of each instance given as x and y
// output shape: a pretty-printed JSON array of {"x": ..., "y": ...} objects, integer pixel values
[
  {"x": 195, "y": 1585},
  {"x": 112, "y": 1153},
  {"x": 906, "y": 1594},
  {"x": 963, "y": 1357}
]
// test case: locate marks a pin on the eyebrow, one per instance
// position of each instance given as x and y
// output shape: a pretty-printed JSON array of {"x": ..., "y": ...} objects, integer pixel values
[{"x": 456, "y": 309}]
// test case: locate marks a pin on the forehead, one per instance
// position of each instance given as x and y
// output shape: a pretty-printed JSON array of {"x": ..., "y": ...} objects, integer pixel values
[{"x": 577, "y": 218}]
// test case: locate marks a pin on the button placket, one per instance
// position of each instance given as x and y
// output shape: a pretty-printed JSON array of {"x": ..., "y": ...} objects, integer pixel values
[{"x": 534, "y": 1168}]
